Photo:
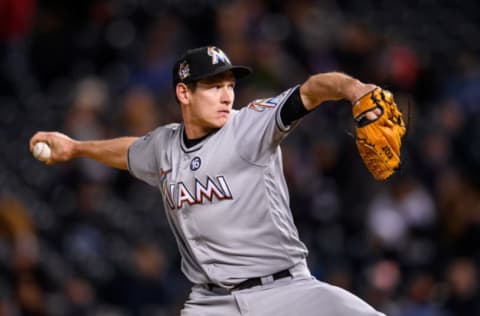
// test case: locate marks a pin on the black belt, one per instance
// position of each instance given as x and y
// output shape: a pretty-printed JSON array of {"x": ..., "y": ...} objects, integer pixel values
[{"x": 253, "y": 281}]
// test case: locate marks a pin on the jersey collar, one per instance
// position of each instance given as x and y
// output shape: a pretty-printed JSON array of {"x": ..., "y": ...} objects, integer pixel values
[{"x": 197, "y": 146}]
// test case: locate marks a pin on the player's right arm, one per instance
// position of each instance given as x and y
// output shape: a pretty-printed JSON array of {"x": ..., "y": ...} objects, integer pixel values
[{"x": 111, "y": 152}]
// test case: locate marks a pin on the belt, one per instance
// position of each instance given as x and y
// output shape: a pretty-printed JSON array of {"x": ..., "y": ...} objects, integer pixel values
[{"x": 253, "y": 281}]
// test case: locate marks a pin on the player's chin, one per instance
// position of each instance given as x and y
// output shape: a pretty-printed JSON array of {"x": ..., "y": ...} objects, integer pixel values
[{"x": 220, "y": 121}]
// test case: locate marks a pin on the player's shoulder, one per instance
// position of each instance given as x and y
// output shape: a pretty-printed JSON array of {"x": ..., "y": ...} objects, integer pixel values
[
  {"x": 172, "y": 127},
  {"x": 167, "y": 128},
  {"x": 164, "y": 131},
  {"x": 269, "y": 103}
]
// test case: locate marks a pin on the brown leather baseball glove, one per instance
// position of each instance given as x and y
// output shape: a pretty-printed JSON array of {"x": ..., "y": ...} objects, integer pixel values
[{"x": 378, "y": 132}]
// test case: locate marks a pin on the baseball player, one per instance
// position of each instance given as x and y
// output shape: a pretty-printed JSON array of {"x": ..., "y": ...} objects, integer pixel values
[{"x": 224, "y": 192}]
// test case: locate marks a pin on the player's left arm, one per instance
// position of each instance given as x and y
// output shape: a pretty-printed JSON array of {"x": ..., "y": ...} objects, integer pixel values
[
  {"x": 263, "y": 127},
  {"x": 331, "y": 86}
]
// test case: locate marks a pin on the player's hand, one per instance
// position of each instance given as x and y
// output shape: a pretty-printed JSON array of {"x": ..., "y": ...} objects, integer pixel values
[{"x": 62, "y": 147}]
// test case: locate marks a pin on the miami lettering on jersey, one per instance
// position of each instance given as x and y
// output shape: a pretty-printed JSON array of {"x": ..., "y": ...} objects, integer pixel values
[
  {"x": 177, "y": 193},
  {"x": 261, "y": 105}
]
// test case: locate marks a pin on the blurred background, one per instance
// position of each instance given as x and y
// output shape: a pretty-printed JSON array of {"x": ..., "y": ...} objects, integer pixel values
[{"x": 82, "y": 239}]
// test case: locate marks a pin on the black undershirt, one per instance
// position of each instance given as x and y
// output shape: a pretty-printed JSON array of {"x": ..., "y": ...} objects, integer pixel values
[
  {"x": 292, "y": 110},
  {"x": 192, "y": 142}
]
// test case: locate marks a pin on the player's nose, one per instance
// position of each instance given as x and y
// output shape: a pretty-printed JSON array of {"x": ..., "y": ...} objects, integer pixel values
[{"x": 226, "y": 95}]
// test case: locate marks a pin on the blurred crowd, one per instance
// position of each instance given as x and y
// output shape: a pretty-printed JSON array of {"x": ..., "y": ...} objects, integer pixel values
[{"x": 83, "y": 239}]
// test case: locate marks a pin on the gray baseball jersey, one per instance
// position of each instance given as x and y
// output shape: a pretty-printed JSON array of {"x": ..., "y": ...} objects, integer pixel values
[{"x": 226, "y": 198}]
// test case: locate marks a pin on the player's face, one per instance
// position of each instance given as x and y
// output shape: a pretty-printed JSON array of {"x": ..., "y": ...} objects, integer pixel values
[{"x": 212, "y": 101}]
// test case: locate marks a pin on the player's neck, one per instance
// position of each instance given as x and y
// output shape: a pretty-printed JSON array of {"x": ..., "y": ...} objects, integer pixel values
[
  {"x": 193, "y": 132},
  {"x": 192, "y": 142}
]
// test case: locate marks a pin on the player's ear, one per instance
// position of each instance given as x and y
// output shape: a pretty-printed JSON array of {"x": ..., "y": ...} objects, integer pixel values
[{"x": 182, "y": 93}]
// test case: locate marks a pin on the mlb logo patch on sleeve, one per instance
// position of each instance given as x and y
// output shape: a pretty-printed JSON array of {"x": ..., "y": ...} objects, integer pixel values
[{"x": 261, "y": 105}]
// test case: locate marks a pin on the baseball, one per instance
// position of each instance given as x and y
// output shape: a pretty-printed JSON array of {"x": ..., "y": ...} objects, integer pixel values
[{"x": 42, "y": 151}]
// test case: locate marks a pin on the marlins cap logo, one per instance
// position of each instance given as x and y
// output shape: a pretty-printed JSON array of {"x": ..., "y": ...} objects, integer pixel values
[
  {"x": 217, "y": 54},
  {"x": 183, "y": 70}
]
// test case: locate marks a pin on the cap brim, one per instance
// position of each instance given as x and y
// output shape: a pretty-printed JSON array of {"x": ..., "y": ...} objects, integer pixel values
[{"x": 238, "y": 72}]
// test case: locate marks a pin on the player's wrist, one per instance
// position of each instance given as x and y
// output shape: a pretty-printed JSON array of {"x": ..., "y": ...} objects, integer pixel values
[
  {"x": 351, "y": 91},
  {"x": 354, "y": 89},
  {"x": 78, "y": 149}
]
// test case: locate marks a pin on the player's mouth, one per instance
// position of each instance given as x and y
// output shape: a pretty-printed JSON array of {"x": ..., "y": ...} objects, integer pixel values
[{"x": 224, "y": 112}]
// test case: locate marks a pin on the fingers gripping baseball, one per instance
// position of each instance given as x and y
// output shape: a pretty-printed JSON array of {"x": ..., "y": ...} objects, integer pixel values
[{"x": 57, "y": 147}]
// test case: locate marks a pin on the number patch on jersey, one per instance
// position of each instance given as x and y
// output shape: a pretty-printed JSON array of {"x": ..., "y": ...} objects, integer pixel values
[{"x": 195, "y": 164}]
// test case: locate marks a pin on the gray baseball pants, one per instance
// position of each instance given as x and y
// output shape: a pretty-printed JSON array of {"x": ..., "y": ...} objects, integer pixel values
[{"x": 300, "y": 295}]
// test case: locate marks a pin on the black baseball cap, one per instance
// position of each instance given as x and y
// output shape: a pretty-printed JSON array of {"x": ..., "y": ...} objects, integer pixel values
[{"x": 203, "y": 62}]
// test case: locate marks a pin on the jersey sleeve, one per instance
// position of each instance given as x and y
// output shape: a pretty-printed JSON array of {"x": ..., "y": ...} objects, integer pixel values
[
  {"x": 142, "y": 157},
  {"x": 259, "y": 128}
]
